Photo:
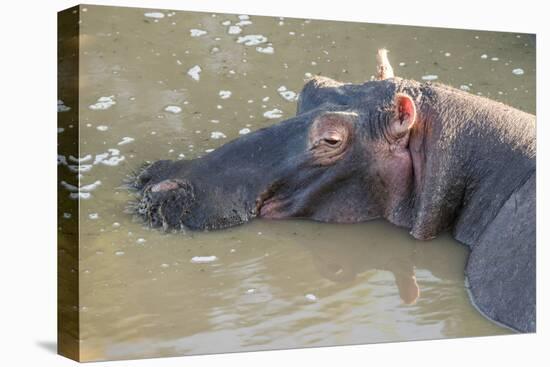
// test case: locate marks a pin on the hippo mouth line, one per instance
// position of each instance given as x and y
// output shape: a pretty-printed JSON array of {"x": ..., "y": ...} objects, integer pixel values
[
  {"x": 270, "y": 208},
  {"x": 269, "y": 204}
]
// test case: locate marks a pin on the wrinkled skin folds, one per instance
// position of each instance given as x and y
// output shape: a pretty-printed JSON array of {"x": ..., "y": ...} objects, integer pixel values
[{"x": 427, "y": 157}]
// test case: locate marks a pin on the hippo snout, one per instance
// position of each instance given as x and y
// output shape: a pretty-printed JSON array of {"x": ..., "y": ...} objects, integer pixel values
[{"x": 167, "y": 203}]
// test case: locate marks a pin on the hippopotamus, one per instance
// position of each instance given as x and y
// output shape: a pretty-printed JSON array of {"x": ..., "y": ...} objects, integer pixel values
[{"x": 424, "y": 156}]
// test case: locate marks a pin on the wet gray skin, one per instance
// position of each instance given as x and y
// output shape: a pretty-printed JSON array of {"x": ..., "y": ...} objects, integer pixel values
[
  {"x": 426, "y": 157},
  {"x": 266, "y": 284}
]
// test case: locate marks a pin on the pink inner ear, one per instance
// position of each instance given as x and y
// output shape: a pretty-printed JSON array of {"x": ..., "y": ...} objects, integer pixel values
[{"x": 406, "y": 109}]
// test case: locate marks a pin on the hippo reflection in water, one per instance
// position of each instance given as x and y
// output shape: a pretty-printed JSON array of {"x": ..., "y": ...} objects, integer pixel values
[{"x": 423, "y": 156}]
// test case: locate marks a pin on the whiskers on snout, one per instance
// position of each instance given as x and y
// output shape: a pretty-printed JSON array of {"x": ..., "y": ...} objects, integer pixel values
[
  {"x": 163, "y": 204},
  {"x": 134, "y": 180}
]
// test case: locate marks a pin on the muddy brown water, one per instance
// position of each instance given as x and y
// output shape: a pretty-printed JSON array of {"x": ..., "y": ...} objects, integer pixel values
[{"x": 266, "y": 284}]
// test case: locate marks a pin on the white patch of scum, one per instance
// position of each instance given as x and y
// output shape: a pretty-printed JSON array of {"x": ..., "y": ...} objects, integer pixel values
[
  {"x": 126, "y": 140},
  {"x": 61, "y": 106},
  {"x": 80, "y": 160},
  {"x": 111, "y": 158},
  {"x": 79, "y": 168},
  {"x": 102, "y": 127},
  {"x": 273, "y": 114},
  {"x": 155, "y": 15},
  {"x": 518, "y": 71},
  {"x": 172, "y": 109},
  {"x": 80, "y": 195},
  {"x": 85, "y": 188},
  {"x": 224, "y": 94},
  {"x": 244, "y": 20},
  {"x": 203, "y": 259},
  {"x": 197, "y": 32},
  {"x": 244, "y": 131},
  {"x": 194, "y": 72},
  {"x": 90, "y": 187},
  {"x": 244, "y": 23},
  {"x": 269, "y": 50},
  {"x": 103, "y": 103},
  {"x": 252, "y": 39},
  {"x": 217, "y": 135},
  {"x": 429, "y": 77},
  {"x": 287, "y": 94},
  {"x": 234, "y": 29},
  {"x": 311, "y": 297},
  {"x": 68, "y": 186}
]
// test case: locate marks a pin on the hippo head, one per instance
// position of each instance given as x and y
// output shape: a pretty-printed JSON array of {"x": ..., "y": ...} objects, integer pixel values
[{"x": 343, "y": 158}]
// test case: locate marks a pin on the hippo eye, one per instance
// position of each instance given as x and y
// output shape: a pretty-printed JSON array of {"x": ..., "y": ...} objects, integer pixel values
[
  {"x": 331, "y": 141},
  {"x": 332, "y": 138}
]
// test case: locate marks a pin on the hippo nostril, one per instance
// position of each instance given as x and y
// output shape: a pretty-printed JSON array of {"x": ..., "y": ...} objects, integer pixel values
[
  {"x": 168, "y": 185},
  {"x": 167, "y": 203}
]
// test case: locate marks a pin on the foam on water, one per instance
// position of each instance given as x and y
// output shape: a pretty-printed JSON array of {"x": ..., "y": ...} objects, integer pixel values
[
  {"x": 273, "y": 114},
  {"x": 194, "y": 72},
  {"x": 90, "y": 187},
  {"x": 69, "y": 186},
  {"x": 61, "y": 106},
  {"x": 224, "y": 94},
  {"x": 155, "y": 15},
  {"x": 234, "y": 29},
  {"x": 61, "y": 159},
  {"x": 79, "y": 168},
  {"x": 203, "y": 259},
  {"x": 311, "y": 297},
  {"x": 429, "y": 77},
  {"x": 80, "y": 160},
  {"x": 518, "y": 71},
  {"x": 103, "y": 103},
  {"x": 80, "y": 195},
  {"x": 244, "y": 23},
  {"x": 287, "y": 94},
  {"x": 217, "y": 135},
  {"x": 266, "y": 50},
  {"x": 102, "y": 128},
  {"x": 197, "y": 32},
  {"x": 252, "y": 39},
  {"x": 172, "y": 109},
  {"x": 110, "y": 158},
  {"x": 244, "y": 131},
  {"x": 126, "y": 140}
]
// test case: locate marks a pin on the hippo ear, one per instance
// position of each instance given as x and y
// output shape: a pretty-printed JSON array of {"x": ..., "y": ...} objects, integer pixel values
[{"x": 404, "y": 115}]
